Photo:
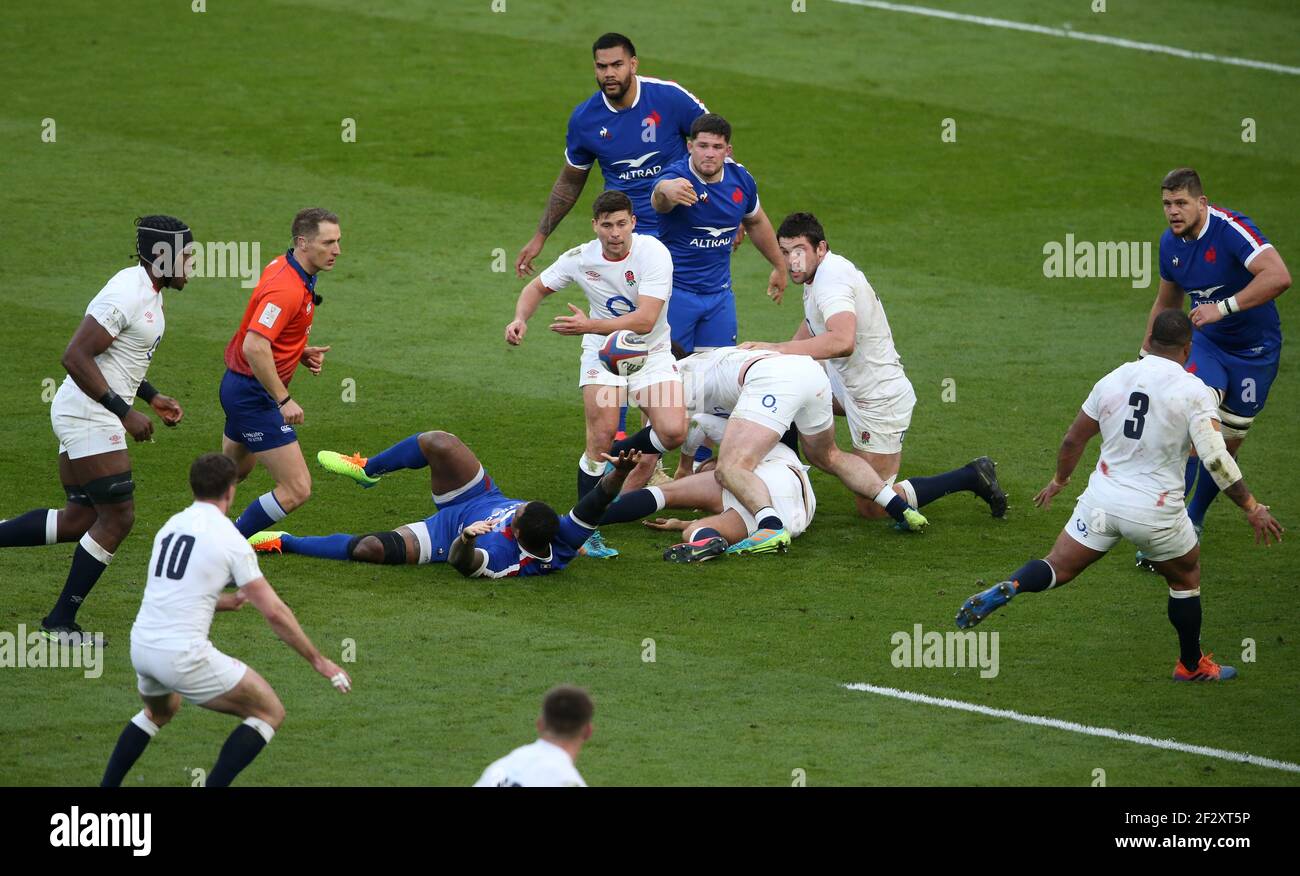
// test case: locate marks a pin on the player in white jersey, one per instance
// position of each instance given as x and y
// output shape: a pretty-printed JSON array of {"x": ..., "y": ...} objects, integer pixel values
[
  {"x": 627, "y": 278},
  {"x": 762, "y": 393},
  {"x": 1148, "y": 413},
  {"x": 106, "y": 361},
  {"x": 562, "y": 729},
  {"x": 196, "y": 555},
  {"x": 729, "y": 521},
  {"x": 845, "y": 327}
]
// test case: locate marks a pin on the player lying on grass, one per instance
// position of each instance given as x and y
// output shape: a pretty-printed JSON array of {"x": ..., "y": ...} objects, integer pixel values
[
  {"x": 845, "y": 327},
  {"x": 92, "y": 414},
  {"x": 729, "y": 523},
  {"x": 762, "y": 393},
  {"x": 196, "y": 555},
  {"x": 1148, "y": 413},
  {"x": 476, "y": 529},
  {"x": 627, "y": 279}
]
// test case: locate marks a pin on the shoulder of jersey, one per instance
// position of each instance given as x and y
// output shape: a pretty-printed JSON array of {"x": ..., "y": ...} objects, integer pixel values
[
  {"x": 576, "y": 252},
  {"x": 652, "y": 243},
  {"x": 667, "y": 84}
]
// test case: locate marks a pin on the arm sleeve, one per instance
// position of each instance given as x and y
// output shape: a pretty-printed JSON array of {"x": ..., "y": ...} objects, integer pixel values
[
  {"x": 112, "y": 309},
  {"x": 502, "y": 556},
  {"x": 562, "y": 271},
  {"x": 574, "y": 152},
  {"x": 751, "y": 202},
  {"x": 1245, "y": 239},
  {"x": 835, "y": 297},
  {"x": 1162, "y": 257},
  {"x": 274, "y": 312},
  {"x": 243, "y": 563},
  {"x": 657, "y": 279},
  {"x": 573, "y": 531},
  {"x": 1092, "y": 404}
]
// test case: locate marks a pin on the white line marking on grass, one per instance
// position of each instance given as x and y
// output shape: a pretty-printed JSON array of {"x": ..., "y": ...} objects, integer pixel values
[
  {"x": 1056, "y": 723},
  {"x": 1074, "y": 35}
]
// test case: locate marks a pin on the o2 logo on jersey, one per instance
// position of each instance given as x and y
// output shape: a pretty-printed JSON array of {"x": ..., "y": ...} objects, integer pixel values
[
  {"x": 614, "y": 304},
  {"x": 1080, "y": 525},
  {"x": 769, "y": 402}
]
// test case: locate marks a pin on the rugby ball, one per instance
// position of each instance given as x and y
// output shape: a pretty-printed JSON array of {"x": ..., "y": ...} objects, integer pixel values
[{"x": 623, "y": 353}]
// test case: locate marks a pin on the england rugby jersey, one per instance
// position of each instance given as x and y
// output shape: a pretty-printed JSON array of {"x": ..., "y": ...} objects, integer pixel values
[{"x": 131, "y": 310}]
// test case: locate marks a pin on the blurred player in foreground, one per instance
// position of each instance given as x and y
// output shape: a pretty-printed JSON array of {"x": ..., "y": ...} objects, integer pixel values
[
  {"x": 261, "y": 359},
  {"x": 845, "y": 327},
  {"x": 196, "y": 555},
  {"x": 92, "y": 414},
  {"x": 476, "y": 529},
  {"x": 562, "y": 729},
  {"x": 1148, "y": 413},
  {"x": 627, "y": 279}
]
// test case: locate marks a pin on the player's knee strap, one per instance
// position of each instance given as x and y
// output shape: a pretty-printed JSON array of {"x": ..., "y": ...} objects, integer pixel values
[
  {"x": 392, "y": 542},
  {"x": 77, "y": 495},
  {"x": 111, "y": 490},
  {"x": 1233, "y": 425}
]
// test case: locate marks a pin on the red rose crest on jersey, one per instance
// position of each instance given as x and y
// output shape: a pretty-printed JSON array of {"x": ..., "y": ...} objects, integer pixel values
[
  {"x": 1211, "y": 255},
  {"x": 630, "y": 277},
  {"x": 737, "y": 195}
]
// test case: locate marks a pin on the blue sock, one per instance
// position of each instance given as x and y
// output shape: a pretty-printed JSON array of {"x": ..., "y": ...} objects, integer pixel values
[
  {"x": 1034, "y": 576},
  {"x": 404, "y": 454},
  {"x": 1206, "y": 491},
  {"x": 896, "y": 507},
  {"x": 260, "y": 514},
  {"x": 702, "y": 454},
  {"x": 326, "y": 547},
  {"x": 767, "y": 518},
  {"x": 940, "y": 485},
  {"x": 646, "y": 441},
  {"x": 705, "y": 532},
  {"x": 634, "y": 505},
  {"x": 1189, "y": 476},
  {"x": 622, "y": 419}
]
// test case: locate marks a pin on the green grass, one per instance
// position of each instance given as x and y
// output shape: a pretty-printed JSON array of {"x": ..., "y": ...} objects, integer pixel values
[{"x": 231, "y": 119}]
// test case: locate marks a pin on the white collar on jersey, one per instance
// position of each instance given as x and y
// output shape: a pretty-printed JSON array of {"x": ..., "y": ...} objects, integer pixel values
[
  {"x": 550, "y": 552},
  {"x": 690, "y": 162},
  {"x": 609, "y": 106}
]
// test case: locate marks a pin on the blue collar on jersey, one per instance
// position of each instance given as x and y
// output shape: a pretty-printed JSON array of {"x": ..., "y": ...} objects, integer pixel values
[{"x": 308, "y": 280}]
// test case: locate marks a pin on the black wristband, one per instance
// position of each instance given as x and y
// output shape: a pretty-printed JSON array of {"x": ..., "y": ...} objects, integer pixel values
[
  {"x": 146, "y": 391},
  {"x": 116, "y": 404},
  {"x": 286, "y": 400}
]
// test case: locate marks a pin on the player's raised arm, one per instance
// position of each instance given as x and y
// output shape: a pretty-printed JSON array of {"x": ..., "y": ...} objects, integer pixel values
[
  {"x": 282, "y": 620},
  {"x": 464, "y": 557},
  {"x": 530, "y": 297},
  {"x": 90, "y": 340},
  {"x": 1081, "y": 431},
  {"x": 764, "y": 238},
  {"x": 1271, "y": 280},
  {"x": 668, "y": 194},
  {"x": 1212, "y": 450},
  {"x": 564, "y": 194}
]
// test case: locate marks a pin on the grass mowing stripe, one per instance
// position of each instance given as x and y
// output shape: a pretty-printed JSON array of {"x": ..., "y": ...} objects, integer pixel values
[
  {"x": 1056, "y": 723},
  {"x": 1074, "y": 35}
]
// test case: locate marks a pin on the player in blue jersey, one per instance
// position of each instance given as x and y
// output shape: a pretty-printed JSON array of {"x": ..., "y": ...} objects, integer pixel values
[
  {"x": 703, "y": 201},
  {"x": 1232, "y": 273},
  {"x": 477, "y": 530},
  {"x": 633, "y": 127}
]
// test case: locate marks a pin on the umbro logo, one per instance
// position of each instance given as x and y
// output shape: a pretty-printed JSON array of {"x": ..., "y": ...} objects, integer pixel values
[{"x": 636, "y": 163}]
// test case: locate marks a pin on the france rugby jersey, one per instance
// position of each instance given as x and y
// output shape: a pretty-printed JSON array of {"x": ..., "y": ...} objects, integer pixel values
[
  {"x": 507, "y": 558},
  {"x": 699, "y": 237},
  {"x": 633, "y": 145},
  {"x": 1212, "y": 267}
]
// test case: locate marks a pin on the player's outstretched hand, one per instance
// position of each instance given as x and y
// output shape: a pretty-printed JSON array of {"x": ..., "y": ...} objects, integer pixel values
[
  {"x": 1264, "y": 525},
  {"x": 576, "y": 323},
  {"x": 679, "y": 191},
  {"x": 1044, "y": 497},
  {"x": 292, "y": 413},
  {"x": 474, "y": 530},
  {"x": 167, "y": 408},
  {"x": 776, "y": 284},
  {"x": 138, "y": 425},
  {"x": 515, "y": 332},
  {"x": 337, "y": 676},
  {"x": 671, "y": 524},
  {"x": 524, "y": 261},
  {"x": 314, "y": 358},
  {"x": 625, "y": 461}
]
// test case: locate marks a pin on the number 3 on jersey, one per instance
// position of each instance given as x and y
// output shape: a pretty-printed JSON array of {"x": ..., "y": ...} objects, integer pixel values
[{"x": 1140, "y": 402}]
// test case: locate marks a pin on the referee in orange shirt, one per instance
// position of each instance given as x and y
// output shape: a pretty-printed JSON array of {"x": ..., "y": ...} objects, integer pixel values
[{"x": 260, "y": 361}]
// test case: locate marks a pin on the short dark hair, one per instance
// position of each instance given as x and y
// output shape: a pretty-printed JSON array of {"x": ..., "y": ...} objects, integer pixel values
[
  {"x": 613, "y": 41},
  {"x": 535, "y": 526},
  {"x": 1172, "y": 329},
  {"x": 211, "y": 475},
  {"x": 802, "y": 225},
  {"x": 711, "y": 123},
  {"x": 566, "y": 709},
  {"x": 1183, "y": 178},
  {"x": 308, "y": 221},
  {"x": 610, "y": 201}
]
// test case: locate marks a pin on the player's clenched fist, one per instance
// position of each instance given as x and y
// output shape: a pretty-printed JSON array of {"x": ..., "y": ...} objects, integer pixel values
[
  {"x": 138, "y": 425},
  {"x": 167, "y": 408},
  {"x": 292, "y": 413},
  {"x": 515, "y": 332},
  {"x": 679, "y": 191}
]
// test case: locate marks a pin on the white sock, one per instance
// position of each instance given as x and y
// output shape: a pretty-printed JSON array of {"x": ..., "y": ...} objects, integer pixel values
[
  {"x": 908, "y": 491},
  {"x": 594, "y": 468},
  {"x": 265, "y": 730},
  {"x": 142, "y": 721},
  {"x": 92, "y": 547},
  {"x": 660, "y": 501},
  {"x": 655, "y": 440},
  {"x": 885, "y": 496},
  {"x": 271, "y": 506},
  {"x": 52, "y": 526}
]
